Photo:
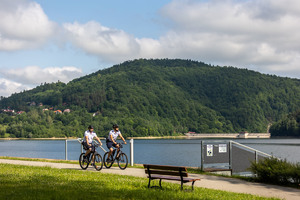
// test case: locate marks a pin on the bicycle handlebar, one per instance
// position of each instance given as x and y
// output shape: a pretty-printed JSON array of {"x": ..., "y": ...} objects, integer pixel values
[
  {"x": 121, "y": 144},
  {"x": 96, "y": 145}
]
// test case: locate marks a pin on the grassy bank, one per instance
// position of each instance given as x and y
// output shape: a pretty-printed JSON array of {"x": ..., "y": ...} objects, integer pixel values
[
  {"x": 27, "y": 182},
  {"x": 58, "y": 161},
  {"x": 194, "y": 170},
  {"x": 40, "y": 159}
]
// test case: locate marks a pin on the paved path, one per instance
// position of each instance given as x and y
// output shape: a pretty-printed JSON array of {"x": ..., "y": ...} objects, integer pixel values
[{"x": 212, "y": 182}]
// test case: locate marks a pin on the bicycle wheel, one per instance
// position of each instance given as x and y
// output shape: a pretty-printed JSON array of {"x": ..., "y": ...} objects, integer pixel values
[
  {"x": 122, "y": 161},
  {"x": 110, "y": 163},
  {"x": 98, "y": 164},
  {"x": 83, "y": 164}
]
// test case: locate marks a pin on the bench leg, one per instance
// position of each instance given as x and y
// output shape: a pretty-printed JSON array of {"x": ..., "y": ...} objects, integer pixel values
[
  {"x": 181, "y": 185},
  {"x": 193, "y": 185},
  {"x": 154, "y": 186}
]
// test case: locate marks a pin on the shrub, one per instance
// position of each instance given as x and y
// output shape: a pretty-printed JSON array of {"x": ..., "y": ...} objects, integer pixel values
[{"x": 275, "y": 171}]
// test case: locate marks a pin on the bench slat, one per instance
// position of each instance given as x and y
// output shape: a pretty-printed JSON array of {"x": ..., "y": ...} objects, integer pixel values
[
  {"x": 174, "y": 178},
  {"x": 165, "y": 167},
  {"x": 170, "y": 173}
]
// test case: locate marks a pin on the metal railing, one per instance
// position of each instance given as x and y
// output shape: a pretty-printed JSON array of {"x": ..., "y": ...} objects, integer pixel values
[
  {"x": 251, "y": 149},
  {"x": 229, "y": 155}
]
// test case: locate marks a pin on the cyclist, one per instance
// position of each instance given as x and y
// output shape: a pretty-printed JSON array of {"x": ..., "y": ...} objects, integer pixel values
[
  {"x": 111, "y": 141},
  {"x": 89, "y": 135}
]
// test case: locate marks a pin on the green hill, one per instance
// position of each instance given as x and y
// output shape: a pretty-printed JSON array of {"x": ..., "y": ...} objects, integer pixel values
[{"x": 156, "y": 97}]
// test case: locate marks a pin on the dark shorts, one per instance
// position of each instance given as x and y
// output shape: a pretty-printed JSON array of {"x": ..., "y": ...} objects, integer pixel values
[
  {"x": 110, "y": 144},
  {"x": 87, "y": 147}
]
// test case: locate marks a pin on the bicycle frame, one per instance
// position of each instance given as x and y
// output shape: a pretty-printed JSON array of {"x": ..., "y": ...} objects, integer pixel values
[
  {"x": 93, "y": 157},
  {"x": 120, "y": 151},
  {"x": 120, "y": 157}
]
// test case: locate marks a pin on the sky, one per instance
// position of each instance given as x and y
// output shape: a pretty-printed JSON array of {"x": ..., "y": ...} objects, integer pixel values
[{"x": 45, "y": 41}]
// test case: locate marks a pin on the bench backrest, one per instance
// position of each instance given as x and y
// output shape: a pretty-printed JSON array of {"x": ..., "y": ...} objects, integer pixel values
[{"x": 166, "y": 170}]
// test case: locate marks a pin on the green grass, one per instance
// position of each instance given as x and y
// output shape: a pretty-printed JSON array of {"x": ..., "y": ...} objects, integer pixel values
[
  {"x": 40, "y": 160},
  {"x": 190, "y": 170},
  {"x": 27, "y": 182},
  {"x": 59, "y": 161}
]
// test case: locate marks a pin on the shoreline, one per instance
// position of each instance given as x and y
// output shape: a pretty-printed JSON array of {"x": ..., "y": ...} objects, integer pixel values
[
  {"x": 243, "y": 135},
  {"x": 186, "y": 136},
  {"x": 52, "y": 138}
]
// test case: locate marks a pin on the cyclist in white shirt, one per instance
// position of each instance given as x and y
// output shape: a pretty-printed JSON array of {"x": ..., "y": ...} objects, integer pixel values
[
  {"x": 111, "y": 140},
  {"x": 89, "y": 135}
]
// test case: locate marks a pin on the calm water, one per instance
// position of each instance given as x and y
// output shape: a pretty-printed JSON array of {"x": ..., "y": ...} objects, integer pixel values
[{"x": 184, "y": 152}]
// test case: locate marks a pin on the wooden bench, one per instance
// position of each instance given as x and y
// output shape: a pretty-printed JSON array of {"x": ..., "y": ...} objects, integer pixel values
[{"x": 172, "y": 173}]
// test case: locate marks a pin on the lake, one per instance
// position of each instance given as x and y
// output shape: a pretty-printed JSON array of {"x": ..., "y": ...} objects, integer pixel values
[{"x": 183, "y": 152}]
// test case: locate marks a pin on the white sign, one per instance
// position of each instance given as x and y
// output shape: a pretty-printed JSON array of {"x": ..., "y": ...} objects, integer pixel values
[
  {"x": 222, "y": 148},
  {"x": 209, "y": 150}
]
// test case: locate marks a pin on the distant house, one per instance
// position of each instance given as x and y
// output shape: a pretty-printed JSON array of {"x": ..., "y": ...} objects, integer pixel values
[
  {"x": 58, "y": 112},
  {"x": 96, "y": 113},
  {"x": 67, "y": 110},
  {"x": 8, "y": 110},
  {"x": 45, "y": 109},
  {"x": 40, "y": 104},
  {"x": 243, "y": 134},
  {"x": 20, "y": 112},
  {"x": 32, "y": 104},
  {"x": 191, "y": 132}
]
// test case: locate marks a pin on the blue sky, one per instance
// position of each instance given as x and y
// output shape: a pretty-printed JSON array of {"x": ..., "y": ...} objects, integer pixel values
[
  {"x": 133, "y": 16},
  {"x": 46, "y": 41}
]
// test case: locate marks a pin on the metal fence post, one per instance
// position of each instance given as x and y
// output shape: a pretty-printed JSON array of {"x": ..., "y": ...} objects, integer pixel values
[
  {"x": 131, "y": 152},
  {"x": 202, "y": 155},
  {"x": 230, "y": 154},
  {"x": 66, "y": 150},
  {"x": 256, "y": 157}
]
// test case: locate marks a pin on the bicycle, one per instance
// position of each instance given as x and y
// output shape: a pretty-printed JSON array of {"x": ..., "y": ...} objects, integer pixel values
[
  {"x": 121, "y": 159},
  {"x": 84, "y": 162}
]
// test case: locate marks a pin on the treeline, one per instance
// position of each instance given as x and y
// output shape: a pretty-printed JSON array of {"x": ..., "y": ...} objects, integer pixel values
[
  {"x": 37, "y": 123},
  {"x": 163, "y": 97},
  {"x": 287, "y": 126}
]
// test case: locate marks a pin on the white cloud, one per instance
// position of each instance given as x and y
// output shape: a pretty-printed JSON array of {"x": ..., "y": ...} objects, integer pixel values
[
  {"x": 23, "y": 25},
  {"x": 17, "y": 80},
  {"x": 239, "y": 33},
  {"x": 33, "y": 75},
  {"x": 264, "y": 34},
  {"x": 8, "y": 87},
  {"x": 109, "y": 44}
]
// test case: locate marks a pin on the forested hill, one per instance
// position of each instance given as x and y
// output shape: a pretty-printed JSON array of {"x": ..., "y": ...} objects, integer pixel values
[{"x": 157, "y": 97}]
